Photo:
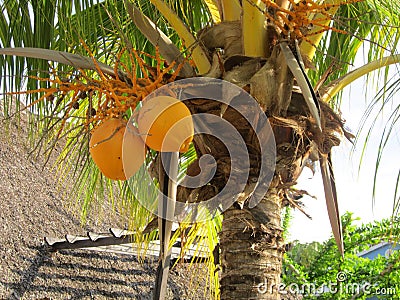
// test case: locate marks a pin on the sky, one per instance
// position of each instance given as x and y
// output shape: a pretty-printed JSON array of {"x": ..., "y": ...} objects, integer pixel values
[{"x": 354, "y": 187}]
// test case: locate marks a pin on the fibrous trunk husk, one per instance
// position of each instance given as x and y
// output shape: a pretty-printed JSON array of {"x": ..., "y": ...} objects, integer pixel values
[{"x": 252, "y": 245}]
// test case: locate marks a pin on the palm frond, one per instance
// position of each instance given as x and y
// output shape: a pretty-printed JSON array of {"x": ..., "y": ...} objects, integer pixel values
[
  {"x": 383, "y": 101},
  {"x": 254, "y": 32},
  {"x": 73, "y": 60},
  {"x": 396, "y": 197},
  {"x": 199, "y": 56},
  {"x": 231, "y": 10},
  {"x": 167, "y": 49},
  {"x": 370, "y": 24},
  {"x": 330, "y": 91},
  {"x": 296, "y": 66},
  {"x": 215, "y": 8}
]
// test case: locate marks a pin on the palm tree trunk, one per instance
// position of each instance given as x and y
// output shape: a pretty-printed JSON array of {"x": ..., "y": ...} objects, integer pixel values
[
  {"x": 251, "y": 241},
  {"x": 251, "y": 250}
]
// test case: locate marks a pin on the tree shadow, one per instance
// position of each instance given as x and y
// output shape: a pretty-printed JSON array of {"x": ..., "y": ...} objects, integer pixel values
[
  {"x": 29, "y": 275},
  {"x": 80, "y": 277}
]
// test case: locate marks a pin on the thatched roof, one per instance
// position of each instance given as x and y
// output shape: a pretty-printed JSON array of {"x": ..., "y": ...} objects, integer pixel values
[{"x": 33, "y": 206}]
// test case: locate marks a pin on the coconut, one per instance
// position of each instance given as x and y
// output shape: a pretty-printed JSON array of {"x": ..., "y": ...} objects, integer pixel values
[
  {"x": 165, "y": 124},
  {"x": 117, "y": 149}
]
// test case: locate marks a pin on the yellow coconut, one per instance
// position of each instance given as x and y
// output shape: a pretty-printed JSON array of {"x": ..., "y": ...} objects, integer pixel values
[
  {"x": 117, "y": 149},
  {"x": 165, "y": 124}
]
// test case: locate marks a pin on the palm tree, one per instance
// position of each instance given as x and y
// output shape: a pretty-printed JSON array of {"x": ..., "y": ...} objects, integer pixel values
[{"x": 291, "y": 56}]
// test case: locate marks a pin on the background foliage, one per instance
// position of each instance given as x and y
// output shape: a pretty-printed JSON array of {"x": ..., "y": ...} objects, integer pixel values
[{"x": 317, "y": 265}]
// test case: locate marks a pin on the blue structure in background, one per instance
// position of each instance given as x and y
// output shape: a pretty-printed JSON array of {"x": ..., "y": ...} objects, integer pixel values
[{"x": 383, "y": 249}]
